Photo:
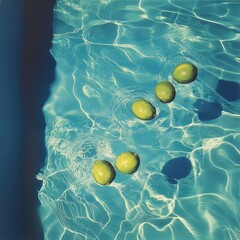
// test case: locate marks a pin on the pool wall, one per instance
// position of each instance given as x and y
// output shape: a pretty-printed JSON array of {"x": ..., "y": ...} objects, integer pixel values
[{"x": 26, "y": 72}]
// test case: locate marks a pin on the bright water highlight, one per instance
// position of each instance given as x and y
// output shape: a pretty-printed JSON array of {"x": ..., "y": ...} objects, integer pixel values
[{"x": 110, "y": 53}]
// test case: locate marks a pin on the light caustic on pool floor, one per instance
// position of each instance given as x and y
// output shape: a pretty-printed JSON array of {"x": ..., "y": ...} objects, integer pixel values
[
  {"x": 109, "y": 55},
  {"x": 103, "y": 172}
]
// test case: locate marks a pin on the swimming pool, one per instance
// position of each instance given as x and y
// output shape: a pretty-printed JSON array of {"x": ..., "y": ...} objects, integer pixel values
[{"x": 110, "y": 53}]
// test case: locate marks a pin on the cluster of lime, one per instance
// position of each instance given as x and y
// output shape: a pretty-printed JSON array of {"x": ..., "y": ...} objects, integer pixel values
[
  {"x": 165, "y": 91},
  {"x": 128, "y": 162},
  {"x": 104, "y": 173}
]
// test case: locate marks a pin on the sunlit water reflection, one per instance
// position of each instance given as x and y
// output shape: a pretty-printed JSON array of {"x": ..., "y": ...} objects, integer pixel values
[{"x": 110, "y": 53}]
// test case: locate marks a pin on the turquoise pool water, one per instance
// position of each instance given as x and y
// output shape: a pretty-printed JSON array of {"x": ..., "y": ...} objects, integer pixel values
[{"x": 110, "y": 53}]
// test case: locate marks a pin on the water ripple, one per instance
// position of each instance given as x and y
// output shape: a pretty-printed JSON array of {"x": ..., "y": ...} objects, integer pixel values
[{"x": 110, "y": 53}]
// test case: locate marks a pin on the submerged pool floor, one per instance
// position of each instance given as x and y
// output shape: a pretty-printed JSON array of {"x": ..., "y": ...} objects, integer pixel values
[{"x": 109, "y": 54}]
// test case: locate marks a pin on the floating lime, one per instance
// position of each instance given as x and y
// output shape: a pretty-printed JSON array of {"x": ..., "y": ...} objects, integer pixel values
[
  {"x": 103, "y": 172},
  {"x": 185, "y": 73},
  {"x": 165, "y": 92},
  {"x": 143, "y": 109},
  {"x": 127, "y": 162}
]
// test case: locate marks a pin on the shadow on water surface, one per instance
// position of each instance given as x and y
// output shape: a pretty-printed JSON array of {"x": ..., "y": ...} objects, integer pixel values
[
  {"x": 229, "y": 90},
  {"x": 212, "y": 110},
  {"x": 176, "y": 169},
  {"x": 207, "y": 110}
]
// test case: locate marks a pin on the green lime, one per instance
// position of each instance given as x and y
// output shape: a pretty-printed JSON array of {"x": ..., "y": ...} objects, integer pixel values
[
  {"x": 185, "y": 73},
  {"x": 165, "y": 92},
  {"x": 143, "y": 109},
  {"x": 127, "y": 162},
  {"x": 103, "y": 172}
]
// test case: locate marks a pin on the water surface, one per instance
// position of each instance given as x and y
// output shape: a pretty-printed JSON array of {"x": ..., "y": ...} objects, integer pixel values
[{"x": 110, "y": 53}]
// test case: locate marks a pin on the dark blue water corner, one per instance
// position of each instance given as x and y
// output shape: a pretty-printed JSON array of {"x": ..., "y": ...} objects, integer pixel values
[
  {"x": 207, "y": 110},
  {"x": 229, "y": 90},
  {"x": 176, "y": 169}
]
